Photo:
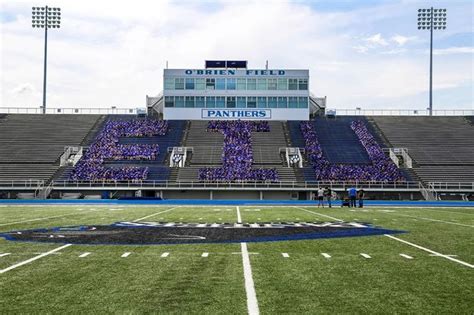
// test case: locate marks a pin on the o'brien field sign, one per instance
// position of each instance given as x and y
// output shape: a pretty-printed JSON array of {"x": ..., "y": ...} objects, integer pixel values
[{"x": 232, "y": 72}]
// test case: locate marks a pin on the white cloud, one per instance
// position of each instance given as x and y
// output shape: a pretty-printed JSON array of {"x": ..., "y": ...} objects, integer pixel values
[
  {"x": 402, "y": 40},
  {"x": 454, "y": 50},
  {"x": 376, "y": 39}
]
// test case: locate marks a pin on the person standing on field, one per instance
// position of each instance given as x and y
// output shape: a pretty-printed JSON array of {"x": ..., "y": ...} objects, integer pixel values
[
  {"x": 352, "y": 192},
  {"x": 320, "y": 197},
  {"x": 360, "y": 196},
  {"x": 328, "y": 195}
]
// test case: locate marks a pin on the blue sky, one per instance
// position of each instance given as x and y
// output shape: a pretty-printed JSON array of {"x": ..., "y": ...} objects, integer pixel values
[{"x": 363, "y": 53}]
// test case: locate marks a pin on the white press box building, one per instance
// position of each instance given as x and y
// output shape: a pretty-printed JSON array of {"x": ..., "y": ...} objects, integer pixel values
[{"x": 229, "y": 90}]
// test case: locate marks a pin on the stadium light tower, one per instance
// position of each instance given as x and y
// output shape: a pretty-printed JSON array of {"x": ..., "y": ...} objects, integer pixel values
[
  {"x": 431, "y": 19},
  {"x": 45, "y": 17}
]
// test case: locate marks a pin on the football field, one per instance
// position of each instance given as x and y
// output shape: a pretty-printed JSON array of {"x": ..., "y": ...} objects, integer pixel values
[{"x": 427, "y": 269}]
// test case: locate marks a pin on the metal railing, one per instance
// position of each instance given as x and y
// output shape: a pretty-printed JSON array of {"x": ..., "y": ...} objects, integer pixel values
[
  {"x": 73, "y": 110},
  {"x": 338, "y": 185},
  {"x": 402, "y": 112},
  {"x": 309, "y": 185},
  {"x": 27, "y": 184}
]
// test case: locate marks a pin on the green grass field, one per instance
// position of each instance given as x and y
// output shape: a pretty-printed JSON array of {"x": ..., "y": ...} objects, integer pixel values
[{"x": 186, "y": 282}]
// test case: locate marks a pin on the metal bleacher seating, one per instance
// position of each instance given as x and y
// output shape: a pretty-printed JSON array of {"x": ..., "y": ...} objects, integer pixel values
[
  {"x": 208, "y": 150},
  {"x": 339, "y": 142},
  {"x": 30, "y": 145},
  {"x": 442, "y": 147}
]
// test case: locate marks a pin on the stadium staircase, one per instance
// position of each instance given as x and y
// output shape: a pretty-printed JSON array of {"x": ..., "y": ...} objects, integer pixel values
[
  {"x": 208, "y": 150},
  {"x": 442, "y": 147},
  {"x": 30, "y": 145}
]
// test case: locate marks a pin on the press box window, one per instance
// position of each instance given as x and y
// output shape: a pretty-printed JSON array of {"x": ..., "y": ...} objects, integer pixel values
[
  {"x": 179, "y": 101},
  {"x": 169, "y": 101},
  {"x": 292, "y": 102},
  {"x": 189, "y": 84},
  {"x": 292, "y": 84},
  {"x": 262, "y": 102},
  {"x": 200, "y": 102},
  {"x": 179, "y": 84},
  {"x": 302, "y": 102},
  {"x": 210, "y": 101},
  {"x": 302, "y": 84},
  {"x": 272, "y": 84},
  {"x": 282, "y": 102},
  {"x": 282, "y": 84},
  {"x": 220, "y": 84},
  {"x": 230, "y": 102},
  {"x": 241, "y": 102},
  {"x": 169, "y": 84},
  {"x": 261, "y": 84},
  {"x": 251, "y": 84},
  {"x": 189, "y": 101},
  {"x": 220, "y": 101},
  {"x": 200, "y": 84},
  {"x": 231, "y": 84},
  {"x": 272, "y": 102},
  {"x": 210, "y": 84},
  {"x": 241, "y": 84},
  {"x": 251, "y": 102}
]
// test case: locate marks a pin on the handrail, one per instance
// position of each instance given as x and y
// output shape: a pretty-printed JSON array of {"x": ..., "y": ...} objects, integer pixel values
[
  {"x": 308, "y": 185},
  {"x": 113, "y": 110},
  {"x": 401, "y": 112}
]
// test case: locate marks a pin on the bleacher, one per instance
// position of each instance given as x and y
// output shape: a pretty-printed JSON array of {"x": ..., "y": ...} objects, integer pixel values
[
  {"x": 442, "y": 147},
  {"x": 339, "y": 142},
  {"x": 208, "y": 150},
  {"x": 30, "y": 145}
]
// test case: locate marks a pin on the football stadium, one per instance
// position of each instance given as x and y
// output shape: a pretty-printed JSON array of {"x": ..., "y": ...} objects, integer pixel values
[{"x": 235, "y": 189}]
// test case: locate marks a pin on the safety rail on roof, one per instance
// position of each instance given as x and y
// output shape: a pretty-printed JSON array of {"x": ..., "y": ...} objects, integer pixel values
[
  {"x": 401, "y": 112},
  {"x": 72, "y": 110}
]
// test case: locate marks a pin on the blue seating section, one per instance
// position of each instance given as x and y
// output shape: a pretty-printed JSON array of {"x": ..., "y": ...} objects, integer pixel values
[{"x": 338, "y": 141}]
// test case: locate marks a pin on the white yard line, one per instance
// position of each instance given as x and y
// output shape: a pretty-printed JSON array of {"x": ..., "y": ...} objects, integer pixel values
[
  {"x": 239, "y": 218},
  {"x": 320, "y": 214},
  {"x": 431, "y": 251},
  {"x": 165, "y": 254},
  {"x": 4, "y": 254},
  {"x": 406, "y": 256},
  {"x": 84, "y": 255},
  {"x": 205, "y": 255},
  {"x": 285, "y": 255},
  {"x": 152, "y": 215},
  {"x": 125, "y": 255},
  {"x": 428, "y": 219},
  {"x": 326, "y": 255},
  {"x": 365, "y": 255},
  {"x": 39, "y": 219},
  {"x": 252, "y": 303},
  {"x": 34, "y": 258}
]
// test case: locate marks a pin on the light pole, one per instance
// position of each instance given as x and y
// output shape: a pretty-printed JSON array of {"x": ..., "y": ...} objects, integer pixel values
[
  {"x": 45, "y": 17},
  {"x": 431, "y": 19}
]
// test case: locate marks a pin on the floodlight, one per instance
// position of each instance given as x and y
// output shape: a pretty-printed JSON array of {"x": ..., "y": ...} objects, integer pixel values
[
  {"x": 435, "y": 20},
  {"x": 44, "y": 17}
]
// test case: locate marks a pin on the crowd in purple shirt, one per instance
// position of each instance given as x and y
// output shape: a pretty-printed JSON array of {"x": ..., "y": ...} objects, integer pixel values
[
  {"x": 106, "y": 147},
  {"x": 237, "y": 156},
  {"x": 381, "y": 167}
]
